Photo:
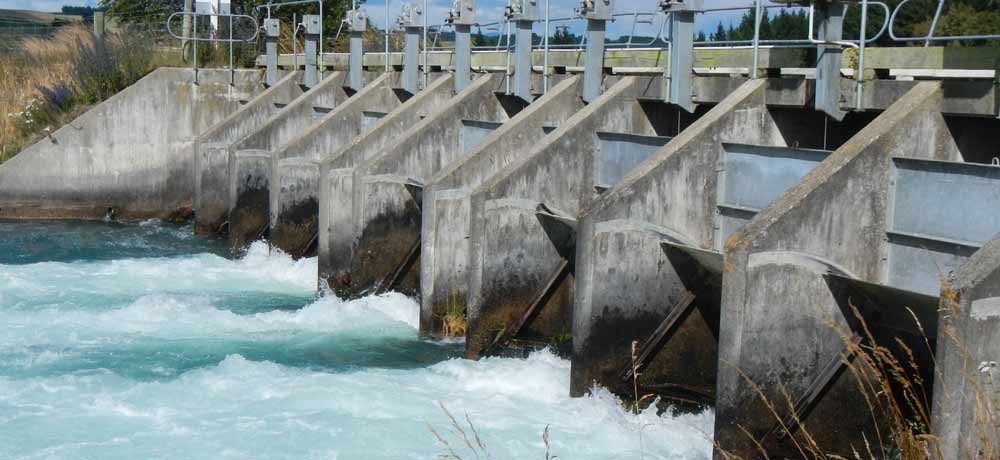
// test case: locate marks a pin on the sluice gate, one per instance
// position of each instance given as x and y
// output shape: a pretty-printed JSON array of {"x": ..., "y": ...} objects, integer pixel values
[{"x": 721, "y": 226}]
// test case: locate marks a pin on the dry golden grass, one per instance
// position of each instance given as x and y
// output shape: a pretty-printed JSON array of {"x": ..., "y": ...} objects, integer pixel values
[{"x": 40, "y": 62}]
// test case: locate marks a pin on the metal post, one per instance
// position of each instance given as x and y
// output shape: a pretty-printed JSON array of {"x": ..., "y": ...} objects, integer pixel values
[
  {"x": 271, "y": 28},
  {"x": 859, "y": 77},
  {"x": 312, "y": 27},
  {"x": 386, "y": 36},
  {"x": 186, "y": 25},
  {"x": 462, "y": 16},
  {"x": 830, "y": 17},
  {"x": 545, "y": 52},
  {"x": 756, "y": 39},
  {"x": 356, "y": 22},
  {"x": 680, "y": 74},
  {"x": 522, "y": 60},
  {"x": 425, "y": 44},
  {"x": 232, "y": 69},
  {"x": 463, "y": 56},
  {"x": 99, "y": 23},
  {"x": 597, "y": 13},
  {"x": 194, "y": 35},
  {"x": 410, "y": 19}
]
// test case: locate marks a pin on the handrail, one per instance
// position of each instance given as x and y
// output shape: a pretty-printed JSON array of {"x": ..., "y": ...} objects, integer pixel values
[
  {"x": 927, "y": 39},
  {"x": 256, "y": 30}
]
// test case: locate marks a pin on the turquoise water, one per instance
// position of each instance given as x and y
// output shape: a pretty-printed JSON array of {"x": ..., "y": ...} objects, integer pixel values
[{"x": 142, "y": 341}]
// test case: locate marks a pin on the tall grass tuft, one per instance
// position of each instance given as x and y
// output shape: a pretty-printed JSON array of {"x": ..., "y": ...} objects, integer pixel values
[{"x": 49, "y": 81}]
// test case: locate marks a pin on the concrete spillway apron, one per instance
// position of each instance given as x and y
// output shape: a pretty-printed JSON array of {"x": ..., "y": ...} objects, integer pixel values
[
  {"x": 383, "y": 194},
  {"x": 251, "y": 222},
  {"x": 842, "y": 238},
  {"x": 211, "y": 160}
]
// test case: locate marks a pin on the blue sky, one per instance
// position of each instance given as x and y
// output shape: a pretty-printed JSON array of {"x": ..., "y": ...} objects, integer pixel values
[{"x": 488, "y": 10}]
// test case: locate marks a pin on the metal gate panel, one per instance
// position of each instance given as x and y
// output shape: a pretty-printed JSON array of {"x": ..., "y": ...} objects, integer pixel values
[
  {"x": 618, "y": 153},
  {"x": 751, "y": 177},
  {"x": 370, "y": 119},
  {"x": 940, "y": 213},
  {"x": 474, "y": 131}
]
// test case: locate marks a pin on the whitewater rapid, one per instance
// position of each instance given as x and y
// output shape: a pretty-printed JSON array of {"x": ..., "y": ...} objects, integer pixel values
[{"x": 153, "y": 353}]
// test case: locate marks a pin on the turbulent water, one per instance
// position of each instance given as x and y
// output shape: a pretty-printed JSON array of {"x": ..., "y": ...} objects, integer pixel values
[{"x": 141, "y": 341}]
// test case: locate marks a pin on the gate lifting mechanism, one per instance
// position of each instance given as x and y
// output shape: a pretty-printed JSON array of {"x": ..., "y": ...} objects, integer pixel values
[
  {"x": 230, "y": 40},
  {"x": 524, "y": 13},
  {"x": 410, "y": 19}
]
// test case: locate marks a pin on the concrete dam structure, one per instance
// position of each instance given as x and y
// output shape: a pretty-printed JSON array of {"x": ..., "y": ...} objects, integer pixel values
[{"x": 720, "y": 226}]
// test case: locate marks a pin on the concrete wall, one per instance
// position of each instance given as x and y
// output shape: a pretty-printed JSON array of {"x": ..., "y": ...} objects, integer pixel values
[
  {"x": 511, "y": 256},
  {"x": 211, "y": 158},
  {"x": 965, "y": 390},
  {"x": 781, "y": 317},
  {"x": 445, "y": 221},
  {"x": 293, "y": 207},
  {"x": 375, "y": 198},
  {"x": 132, "y": 152},
  {"x": 292, "y": 124}
]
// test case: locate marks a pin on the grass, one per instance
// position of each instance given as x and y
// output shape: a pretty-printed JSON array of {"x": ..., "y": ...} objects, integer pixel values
[
  {"x": 453, "y": 322},
  {"x": 49, "y": 81}
]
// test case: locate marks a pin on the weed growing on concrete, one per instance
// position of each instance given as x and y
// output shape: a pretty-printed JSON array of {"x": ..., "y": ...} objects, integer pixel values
[{"x": 453, "y": 322}]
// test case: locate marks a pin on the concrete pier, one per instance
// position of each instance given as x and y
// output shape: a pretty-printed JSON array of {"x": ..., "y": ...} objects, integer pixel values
[
  {"x": 867, "y": 230},
  {"x": 315, "y": 108},
  {"x": 445, "y": 222},
  {"x": 520, "y": 264},
  {"x": 375, "y": 141},
  {"x": 211, "y": 151},
  {"x": 245, "y": 131},
  {"x": 965, "y": 388},
  {"x": 380, "y": 197},
  {"x": 293, "y": 219}
]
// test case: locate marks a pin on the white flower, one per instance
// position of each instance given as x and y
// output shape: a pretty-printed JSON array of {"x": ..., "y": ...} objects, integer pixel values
[{"x": 986, "y": 366}]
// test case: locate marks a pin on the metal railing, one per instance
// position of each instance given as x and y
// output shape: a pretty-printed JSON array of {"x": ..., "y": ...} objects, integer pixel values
[{"x": 194, "y": 39}]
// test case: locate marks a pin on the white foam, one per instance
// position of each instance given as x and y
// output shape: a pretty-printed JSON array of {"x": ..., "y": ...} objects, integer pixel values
[
  {"x": 264, "y": 410},
  {"x": 73, "y": 284}
]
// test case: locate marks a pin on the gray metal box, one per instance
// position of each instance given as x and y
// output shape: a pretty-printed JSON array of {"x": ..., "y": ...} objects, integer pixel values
[
  {"x": 677, "y": 6},
  {"x": 596, "y": 9},
  {"x": 463, "y": 12},
  {"x": 311, "y": 23},
  {"x": 272, "y": 27},
  {"x": 357, "y": 20},
  {"x": 410, "y": 16},
  {"x": 523, "y": 10}
]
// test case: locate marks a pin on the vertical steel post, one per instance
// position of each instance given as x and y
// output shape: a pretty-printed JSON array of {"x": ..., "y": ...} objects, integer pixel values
[
  {"x": 545, "y": 52},
  {"x": 186, "y": 25},
  {"x": 597, "y": 13},
  {"x": 830, "y": 16},
  {"x": 271, "y": 28},
  {"x": 593, "y": 61},
  {"x": 410, "y": 18},
  {"x": 312, "y": 28},
  {"x": 386, "y": 36},
  {"x": 680, "y": 71},
  {"x": 463, "y": 56},
  {"x": 522, "y": 60},
  {"x": 462, "y": 16},
  {"x": 357, "y": 23}
]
